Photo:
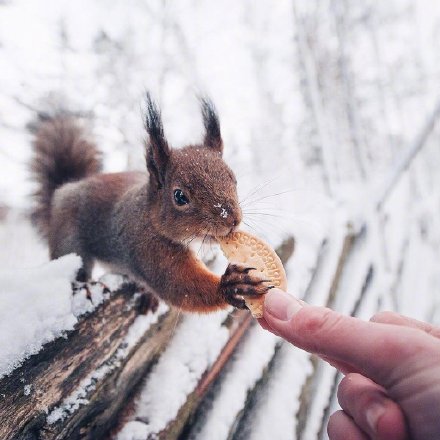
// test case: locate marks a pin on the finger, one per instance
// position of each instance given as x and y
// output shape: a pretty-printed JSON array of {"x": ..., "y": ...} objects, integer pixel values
[
  {"x": 405, "y": 321},
  {"x": 343, "y": 367},
  {"x": 266, "y": 326},
  {"x": 371, "y": 409},
  {"x": 342, "y": 427},
  {"x": 370, "y": 348}
]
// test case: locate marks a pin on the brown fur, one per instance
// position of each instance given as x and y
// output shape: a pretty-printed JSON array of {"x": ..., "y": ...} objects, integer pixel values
[
  {"x": 132, "y": 222},
  {"x": 62, "y": 154}
]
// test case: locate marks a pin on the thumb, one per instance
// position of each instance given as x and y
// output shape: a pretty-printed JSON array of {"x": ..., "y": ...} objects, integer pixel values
[{"x": 372, "y": 349}]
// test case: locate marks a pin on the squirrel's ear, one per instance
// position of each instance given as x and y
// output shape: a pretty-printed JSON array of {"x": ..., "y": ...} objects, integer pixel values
[
  {"x": 213, "y": 137},
  {"x": 157, "y": 149}
]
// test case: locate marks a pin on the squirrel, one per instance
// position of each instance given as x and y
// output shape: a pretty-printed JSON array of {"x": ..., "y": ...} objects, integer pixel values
[{"x": 140, "y": 223}]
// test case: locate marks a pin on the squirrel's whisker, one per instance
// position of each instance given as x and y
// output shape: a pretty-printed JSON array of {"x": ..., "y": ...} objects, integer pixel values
[
  {"x": 266, "y": 214},
  {"x": 201, "y": 246},
  {"x": 258, "y": 188},
  {"x": 187, "y": 240},
  {"x": 283, "y": 212},
  {"x": 250, "y": 226},
  {"x": 264, "y": 226},
  {"x": 255, "y": 226},
  {"x": 267, "y": 196}
]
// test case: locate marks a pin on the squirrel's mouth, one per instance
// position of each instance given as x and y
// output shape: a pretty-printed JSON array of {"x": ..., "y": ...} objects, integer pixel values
[
  {"x": 215, "y": 231},
  {"x": 224, "y": 232},
  {"x": 208, "y": 237}
]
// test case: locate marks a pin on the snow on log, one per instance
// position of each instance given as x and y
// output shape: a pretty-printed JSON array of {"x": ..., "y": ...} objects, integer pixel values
[
  {"x": 78, "y": 358},
  {"x": 169, "y": 402},
  {"x": 74, "y": 385}
]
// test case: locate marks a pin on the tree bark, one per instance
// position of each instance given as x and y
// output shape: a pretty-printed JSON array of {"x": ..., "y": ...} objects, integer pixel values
[
  {"x": 75, "y": 387},
  {"x": 92, "y": 362}
]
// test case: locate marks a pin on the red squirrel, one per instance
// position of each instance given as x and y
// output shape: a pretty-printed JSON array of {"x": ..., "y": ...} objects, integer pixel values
[{"x": 140, "y": 223}]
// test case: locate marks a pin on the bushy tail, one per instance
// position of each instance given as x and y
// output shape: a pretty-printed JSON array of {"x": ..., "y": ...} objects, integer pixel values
[{"x": 62, "y": 153}]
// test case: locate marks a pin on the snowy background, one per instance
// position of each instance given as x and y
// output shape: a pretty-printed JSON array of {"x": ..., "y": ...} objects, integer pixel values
[{"x": 320, "y": 103}]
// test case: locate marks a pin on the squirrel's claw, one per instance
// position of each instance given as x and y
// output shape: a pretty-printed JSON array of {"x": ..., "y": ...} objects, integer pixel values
[
  {"x": 248, "y": 269},
  {"x": 238, "y": 303},
  {"x": 237, "y": 283},
  {"x": 147, "y": 302},
  {"x": 237, "y": 268},
  {"x": 237, "y": 274}
]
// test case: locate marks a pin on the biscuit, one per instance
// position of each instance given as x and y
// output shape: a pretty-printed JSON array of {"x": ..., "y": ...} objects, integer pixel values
[{"x": 246, "y": 249}]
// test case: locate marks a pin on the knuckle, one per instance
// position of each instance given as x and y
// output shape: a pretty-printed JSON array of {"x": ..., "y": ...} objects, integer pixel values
[
  {"x": 434, "y": 331},
  {"x": 356, "y": 393},
  {"x": 399, "y": 347},
  {"x": 385, "y": 317},
  {"x": 345, "y": 387},
  {"x": 319, "y": 321},
  {"x": 333, "y": 426},
  {"x": 316, "y": 329}
]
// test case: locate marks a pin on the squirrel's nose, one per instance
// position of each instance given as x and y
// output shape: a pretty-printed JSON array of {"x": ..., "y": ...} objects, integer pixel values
[
  {"x": 236, "y": 217},
  {"x": 231, "y": 214}
]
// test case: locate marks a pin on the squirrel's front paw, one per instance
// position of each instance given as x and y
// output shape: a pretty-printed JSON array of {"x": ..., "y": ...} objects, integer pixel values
[
  {"x": 237, "y": 282},
  {"x": 147, "y": 302}
]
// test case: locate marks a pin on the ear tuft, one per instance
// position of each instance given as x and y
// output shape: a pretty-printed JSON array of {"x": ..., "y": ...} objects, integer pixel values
[
  {"x": 157, "y": 149},
  {"x": 213, "y": 138}
]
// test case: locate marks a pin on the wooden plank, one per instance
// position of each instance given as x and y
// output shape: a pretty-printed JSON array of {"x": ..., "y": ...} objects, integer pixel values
[
  {"x": 321, "y": 380},
  {"x": 237, "y": 326},
  {"x": 88, "y": 357}
]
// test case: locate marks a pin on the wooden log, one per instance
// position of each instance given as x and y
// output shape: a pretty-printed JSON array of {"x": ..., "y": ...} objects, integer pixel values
[
  {"x": 237, "y": 326},
  {"x": 91, "y": 365},
  {"x": 324, "y": 379},
  {"x": 76, "y": 385}
]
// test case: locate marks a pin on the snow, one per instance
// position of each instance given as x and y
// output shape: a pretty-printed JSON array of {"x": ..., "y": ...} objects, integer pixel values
[
  {"x": 139, "y": 327},
  {"x": 248, "y": 364},
  {"x": 284, "y": 388},
  {"x": 79, "y": 396},
  {"x": 81, "y": 303},
  {"x": 15, "y": 230},
  {"x": 177, "y": 373},
  {"x": 36, "y": 308},
  {"x": 134, "y": 430},
  {"x": 223, "y": 211},
  {"x": 27, "y": 390},
  {"x": 37, "y": 304}
]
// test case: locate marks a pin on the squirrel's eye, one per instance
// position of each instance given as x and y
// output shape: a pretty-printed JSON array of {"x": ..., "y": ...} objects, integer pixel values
[{"x": 180, "y": 198}]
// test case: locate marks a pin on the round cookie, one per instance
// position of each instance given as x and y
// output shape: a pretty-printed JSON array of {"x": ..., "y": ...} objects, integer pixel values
[{"x": 246, "y": 249}]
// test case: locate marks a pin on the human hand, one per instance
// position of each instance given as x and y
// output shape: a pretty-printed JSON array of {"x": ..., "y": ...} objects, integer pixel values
[{"x": 391, "y": 388}]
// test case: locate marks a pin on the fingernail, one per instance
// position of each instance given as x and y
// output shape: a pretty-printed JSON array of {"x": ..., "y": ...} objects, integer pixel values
[
  {"x": 281, "y": 305},
  {"x": 373, "y": 413}
]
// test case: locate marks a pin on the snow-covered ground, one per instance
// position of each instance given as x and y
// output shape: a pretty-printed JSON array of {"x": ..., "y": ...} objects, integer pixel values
[
  {"x": 318, "y": 101},
  {"x": 30, "y": 317}
]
